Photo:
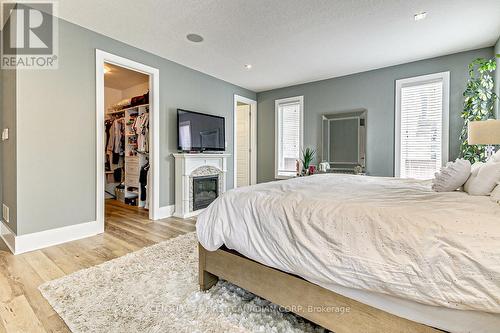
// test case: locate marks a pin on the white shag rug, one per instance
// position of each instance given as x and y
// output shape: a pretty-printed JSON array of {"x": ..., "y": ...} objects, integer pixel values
[{"x": 156, "y": 290}]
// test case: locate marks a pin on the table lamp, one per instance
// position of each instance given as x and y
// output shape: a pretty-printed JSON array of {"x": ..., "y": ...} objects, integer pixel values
[{"x": 485, "y": 133}]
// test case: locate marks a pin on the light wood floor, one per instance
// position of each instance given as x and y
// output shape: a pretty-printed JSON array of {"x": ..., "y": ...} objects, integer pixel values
[{"x": 22, "y": 307}]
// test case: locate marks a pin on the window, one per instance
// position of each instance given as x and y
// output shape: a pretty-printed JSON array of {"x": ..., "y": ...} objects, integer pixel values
[
  {"x": 288, "y": 122},
  {"x": 185, "y": 135},
  {"x": 421, "y": 143}
]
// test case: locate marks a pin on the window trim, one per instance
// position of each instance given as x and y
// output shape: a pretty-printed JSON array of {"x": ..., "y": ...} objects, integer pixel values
[
  {"x": 445, "y": 77},
  {"x": 277, "y": 103}
]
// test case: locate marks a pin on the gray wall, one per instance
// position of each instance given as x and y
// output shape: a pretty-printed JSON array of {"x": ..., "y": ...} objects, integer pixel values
[
  {"x": 56, "y": 124},
  {"x": 8, "y": 172},
  {"x": 374, "y": 91},
  {"x": 8, "y": 147}
]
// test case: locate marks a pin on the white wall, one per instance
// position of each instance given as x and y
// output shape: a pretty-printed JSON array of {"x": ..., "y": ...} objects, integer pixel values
[
  {"x": 136, "y": 90},
  {"x": 111, "y": 96}
]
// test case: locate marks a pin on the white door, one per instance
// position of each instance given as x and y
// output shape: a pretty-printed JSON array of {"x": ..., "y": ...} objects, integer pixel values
[{"x": 242, "y": 145}]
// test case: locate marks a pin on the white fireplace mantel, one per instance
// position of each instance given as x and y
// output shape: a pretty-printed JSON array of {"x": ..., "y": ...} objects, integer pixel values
[{"x": 185, "y": 165}]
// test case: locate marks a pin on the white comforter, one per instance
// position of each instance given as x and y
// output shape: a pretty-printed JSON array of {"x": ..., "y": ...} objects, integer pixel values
[{"x": 384, "y": 235}]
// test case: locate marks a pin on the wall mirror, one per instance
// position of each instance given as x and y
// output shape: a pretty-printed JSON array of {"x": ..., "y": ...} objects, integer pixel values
[{"x": 344, "y": 139}]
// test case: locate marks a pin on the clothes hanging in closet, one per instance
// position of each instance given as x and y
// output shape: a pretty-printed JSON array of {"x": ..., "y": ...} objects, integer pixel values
[
  {"x": 107, "y": 125},
  {"x": 148, "y": 197},
  {"x": 116, "y": 143},
  {"x": 141, "y": 128},
  {"x": 117, "y": 175},
  {"x": 143, "y": 179}
]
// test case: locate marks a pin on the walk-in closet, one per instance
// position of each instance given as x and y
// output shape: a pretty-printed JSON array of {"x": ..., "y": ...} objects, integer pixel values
[{"x": 126, "y": 99}]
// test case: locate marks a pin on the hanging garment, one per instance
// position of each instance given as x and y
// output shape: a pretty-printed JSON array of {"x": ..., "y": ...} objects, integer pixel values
[
  {"x": 116, "y": 158},
  {"x": 141, "y": 128},
  {"x": 148, "y": 198},
  {"x": 116, "y": 142},
  {"x": 107, "y": 126},
  {"x": 143, "y": 179},
  {"x": 117, "y": 175}
]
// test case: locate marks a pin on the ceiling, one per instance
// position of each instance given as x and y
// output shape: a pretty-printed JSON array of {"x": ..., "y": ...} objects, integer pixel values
[
  {"x": 291, "y": 41},
  {"x": 120, "y": 78}
]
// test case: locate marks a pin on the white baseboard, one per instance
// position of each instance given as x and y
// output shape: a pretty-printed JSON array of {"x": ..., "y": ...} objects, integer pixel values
[
  {"x": 39, "y": 240},
  {"x": 165, "y": 211},
  {"x": 189, "y": 215}
]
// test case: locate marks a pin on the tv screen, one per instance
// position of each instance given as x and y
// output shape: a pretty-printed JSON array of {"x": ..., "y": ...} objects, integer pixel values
[{"x": 200, "y": 132}]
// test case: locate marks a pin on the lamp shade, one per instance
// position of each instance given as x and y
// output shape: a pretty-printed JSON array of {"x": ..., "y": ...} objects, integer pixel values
[{"x": 484, "y": 132}]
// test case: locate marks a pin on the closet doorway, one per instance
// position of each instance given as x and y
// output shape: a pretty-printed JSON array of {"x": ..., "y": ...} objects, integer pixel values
[
  {"x": 245, "y": 141},
  {"x": 127, "y": 136}
]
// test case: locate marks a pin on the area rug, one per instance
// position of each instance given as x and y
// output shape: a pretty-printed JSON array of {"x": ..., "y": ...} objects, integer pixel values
[{"x": 155, "y": 290}]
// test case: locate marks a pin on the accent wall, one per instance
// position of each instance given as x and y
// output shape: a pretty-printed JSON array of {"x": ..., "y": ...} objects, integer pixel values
[
  {"x": 56, "y": 141},
  {"x": 374, "y": 91}
]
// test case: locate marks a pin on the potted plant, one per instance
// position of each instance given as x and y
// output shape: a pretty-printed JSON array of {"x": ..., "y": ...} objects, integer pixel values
[
  {"x": 307, "y": 158},
  {"x": 479, "y": 101}
]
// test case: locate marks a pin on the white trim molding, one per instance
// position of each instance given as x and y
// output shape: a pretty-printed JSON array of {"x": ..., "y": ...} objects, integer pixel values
[
  {"x": 436, "y": 77},
  {"x": 187, "y": 167},
  {"x": 277, "y": 103},
  {"x": 154, "y": 124},
  {"x": 39, "y": 240},
  {"x": 253, "y": 138},
  {"x": 166, "y": 211}
]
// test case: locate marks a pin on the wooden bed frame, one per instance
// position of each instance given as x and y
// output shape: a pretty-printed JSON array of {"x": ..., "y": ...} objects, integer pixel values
[{"x": 335, "y": 312}]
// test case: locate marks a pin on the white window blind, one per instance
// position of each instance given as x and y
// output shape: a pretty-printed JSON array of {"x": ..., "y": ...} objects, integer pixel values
[
  {"x": 422, "y": 125},
  {"x": 288, "y": 135}
]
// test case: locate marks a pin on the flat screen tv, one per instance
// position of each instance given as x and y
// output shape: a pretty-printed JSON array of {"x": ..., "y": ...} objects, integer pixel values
[{"x": 200, "y": 132}]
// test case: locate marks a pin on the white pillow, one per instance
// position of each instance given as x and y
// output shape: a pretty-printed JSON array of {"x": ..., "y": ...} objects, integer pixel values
[
  {"x": 495, "y": 195},
  {"x": 496, "y": 156},
  {"x": 451, "y": 177},
  {"x": 484, "y": 178}
]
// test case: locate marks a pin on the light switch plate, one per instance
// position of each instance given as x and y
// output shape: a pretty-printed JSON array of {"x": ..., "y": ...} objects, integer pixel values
[
  {"x": 5, "y": 134},
  {"x": 5, "y": 213}
]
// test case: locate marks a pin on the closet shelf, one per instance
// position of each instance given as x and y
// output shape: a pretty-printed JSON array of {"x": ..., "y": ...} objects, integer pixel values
[
  {"x": 127, "y": 109},
  {"x": 115, "y": 112}
]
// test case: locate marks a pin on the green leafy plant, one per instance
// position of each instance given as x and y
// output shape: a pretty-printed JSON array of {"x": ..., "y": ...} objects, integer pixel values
[
  {"x": 307, "y": 157},
  {"x": 479, "y": 103}
]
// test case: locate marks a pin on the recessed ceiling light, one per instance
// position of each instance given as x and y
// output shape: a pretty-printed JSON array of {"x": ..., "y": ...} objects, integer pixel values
[
  {"x": 420, "y": 16},
  {"x": 248, "y": 66},
  {"x": 195, "y": 38}
]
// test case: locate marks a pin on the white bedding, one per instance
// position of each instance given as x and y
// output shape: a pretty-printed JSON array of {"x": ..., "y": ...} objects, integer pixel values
[{"x": 385, "y": 235}]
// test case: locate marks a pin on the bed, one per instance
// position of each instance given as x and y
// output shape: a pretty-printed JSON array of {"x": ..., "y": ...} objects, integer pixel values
[{"x": 400, "y": 256}]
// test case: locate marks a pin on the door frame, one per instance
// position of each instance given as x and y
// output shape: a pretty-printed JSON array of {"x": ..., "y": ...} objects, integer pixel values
[
  {"x": 103, "y": 57},
  {"x": 253, "y": 138}
]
